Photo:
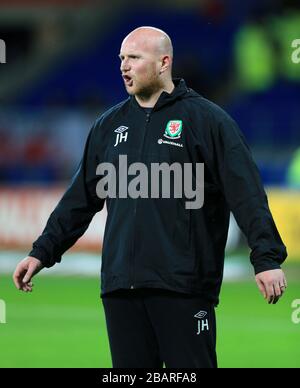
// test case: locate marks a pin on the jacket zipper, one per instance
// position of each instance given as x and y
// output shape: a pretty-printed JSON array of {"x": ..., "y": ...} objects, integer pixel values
[{"x": 132, "y": 277}]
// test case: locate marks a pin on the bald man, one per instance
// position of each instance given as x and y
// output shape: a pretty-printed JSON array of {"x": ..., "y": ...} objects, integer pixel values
[
  {"x": 163, "y": 255},
  {"x": 146, "y": 64}
]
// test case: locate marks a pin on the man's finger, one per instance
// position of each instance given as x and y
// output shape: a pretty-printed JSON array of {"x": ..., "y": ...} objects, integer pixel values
[
  {"x": 26, "y": 288},
  {"x": 270, "y": 293},
  {"x": 276, "y": 299},
  {"x": 27, "y": 276},
  {"x": 285, "y": 282},
  {"x": 17, "y": 283},
  {"x": 17, "y": 276},
  {"x": 262, "y": 288},
  {"x": 278, "y": 292},
  {"x": 277, "y": 289}
]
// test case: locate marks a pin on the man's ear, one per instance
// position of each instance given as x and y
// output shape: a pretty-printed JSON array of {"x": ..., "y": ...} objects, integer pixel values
[{"x": 165, "y": 63}]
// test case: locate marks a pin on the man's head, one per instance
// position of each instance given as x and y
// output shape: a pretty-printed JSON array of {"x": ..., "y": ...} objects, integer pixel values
[{"x": 146, "y": 61}]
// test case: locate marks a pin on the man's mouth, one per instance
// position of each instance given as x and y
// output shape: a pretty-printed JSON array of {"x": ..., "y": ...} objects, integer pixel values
[{"x": 128, "y": 80}]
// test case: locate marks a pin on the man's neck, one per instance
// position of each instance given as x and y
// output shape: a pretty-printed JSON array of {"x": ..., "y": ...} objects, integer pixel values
[{"x": 149, "y": 102}]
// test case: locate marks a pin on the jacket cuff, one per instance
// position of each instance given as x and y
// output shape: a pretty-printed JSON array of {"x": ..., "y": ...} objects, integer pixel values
[
  {"x": 41, "y": 255},
  {"x": 266, "y": 265}
]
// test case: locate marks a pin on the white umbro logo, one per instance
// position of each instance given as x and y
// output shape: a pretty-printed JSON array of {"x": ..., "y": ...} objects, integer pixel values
[
  {"x": 202, "y": 323},
  {"x": 120, "y": 135},
  {"x": 121, "y": 129},
  {"x": 201, "y": 314}
]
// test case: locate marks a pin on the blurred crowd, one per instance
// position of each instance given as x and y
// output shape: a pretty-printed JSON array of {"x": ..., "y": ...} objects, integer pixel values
[{"x": 40, "y": 146}]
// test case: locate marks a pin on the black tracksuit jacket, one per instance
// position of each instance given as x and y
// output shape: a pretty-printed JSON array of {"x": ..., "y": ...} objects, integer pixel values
[{"x": 158, "y": 242}]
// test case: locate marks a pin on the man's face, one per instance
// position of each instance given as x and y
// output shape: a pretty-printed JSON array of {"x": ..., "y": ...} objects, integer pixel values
[{"x": 139, "y": 66}]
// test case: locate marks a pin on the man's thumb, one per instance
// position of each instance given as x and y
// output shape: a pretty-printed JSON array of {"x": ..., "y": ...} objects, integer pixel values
[{"x": 27, "y": 277}]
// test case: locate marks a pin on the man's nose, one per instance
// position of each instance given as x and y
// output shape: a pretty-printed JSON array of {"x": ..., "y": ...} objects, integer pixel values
[{"x": 125, "y": 66}]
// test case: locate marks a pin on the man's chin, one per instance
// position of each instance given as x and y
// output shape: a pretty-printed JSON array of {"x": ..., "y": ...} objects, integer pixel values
[{"x": 130, "y": 90}]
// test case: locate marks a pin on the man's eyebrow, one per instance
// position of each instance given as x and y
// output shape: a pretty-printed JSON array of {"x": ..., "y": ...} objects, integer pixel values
[{"x": 129, "y": 55}]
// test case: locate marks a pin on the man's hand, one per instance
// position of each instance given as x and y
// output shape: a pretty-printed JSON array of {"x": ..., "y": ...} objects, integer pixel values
[
  {"x": 25, "y": 270},
  {"x": 271, "y": 284}
]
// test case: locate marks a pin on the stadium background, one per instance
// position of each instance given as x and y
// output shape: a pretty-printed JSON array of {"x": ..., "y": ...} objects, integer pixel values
[{"x": 61, "y": 72}]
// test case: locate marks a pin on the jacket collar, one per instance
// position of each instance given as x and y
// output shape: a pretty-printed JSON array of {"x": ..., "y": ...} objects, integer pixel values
[{"x": 166, "y": 98}]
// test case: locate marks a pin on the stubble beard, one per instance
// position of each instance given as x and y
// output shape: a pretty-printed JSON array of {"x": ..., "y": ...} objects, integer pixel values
[{"x": 145, "y": 92}]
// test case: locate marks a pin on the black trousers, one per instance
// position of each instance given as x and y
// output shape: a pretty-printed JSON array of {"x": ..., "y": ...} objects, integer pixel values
[{"x": 151, "y": 327}]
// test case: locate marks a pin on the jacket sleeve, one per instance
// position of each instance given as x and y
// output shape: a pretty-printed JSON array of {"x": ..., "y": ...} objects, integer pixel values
[
  {"x": 242, "y": 187},
  {"x": 74, "y": 212}
]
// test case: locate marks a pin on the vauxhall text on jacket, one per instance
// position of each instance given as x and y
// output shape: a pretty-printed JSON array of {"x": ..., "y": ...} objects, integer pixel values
[{"x": 158, "y": 242}]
